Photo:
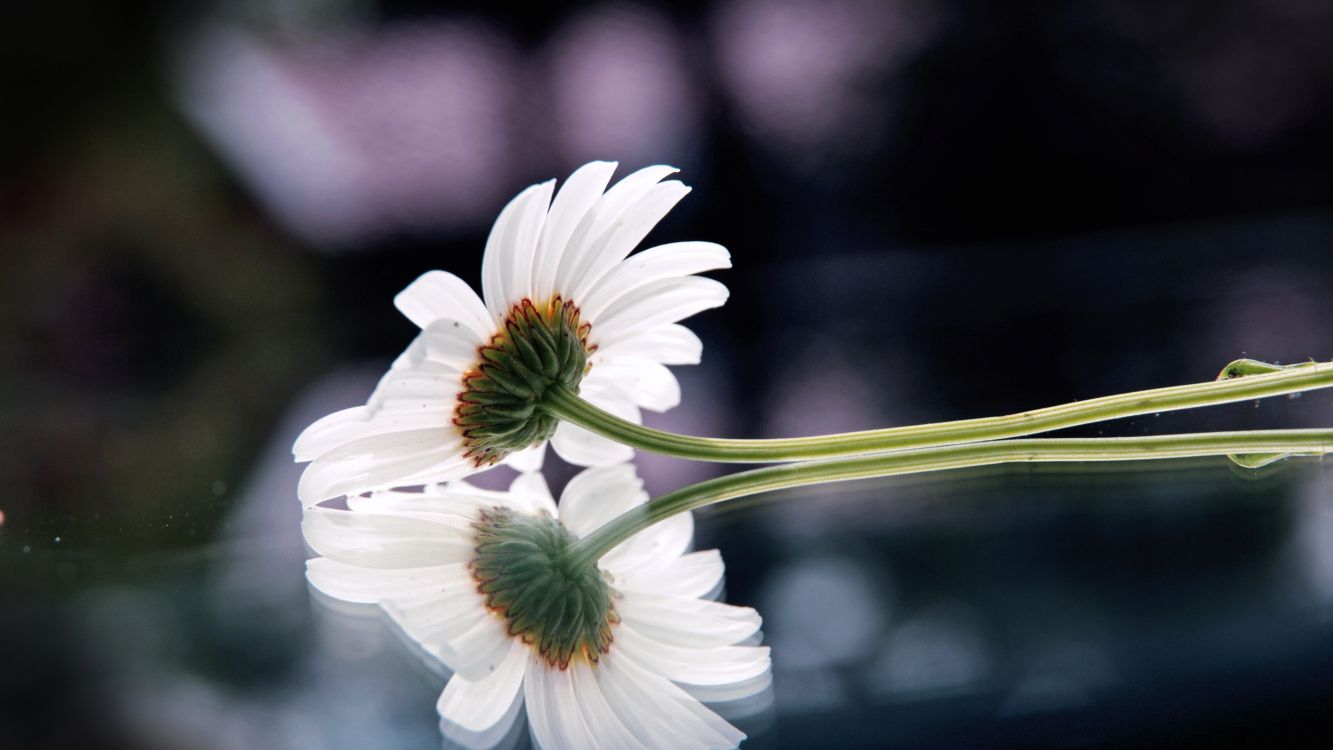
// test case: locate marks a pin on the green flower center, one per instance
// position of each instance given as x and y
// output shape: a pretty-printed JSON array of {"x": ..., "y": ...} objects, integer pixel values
[
  {"x": 563, "y": 610},
  {"x": 499, "y": 410}
]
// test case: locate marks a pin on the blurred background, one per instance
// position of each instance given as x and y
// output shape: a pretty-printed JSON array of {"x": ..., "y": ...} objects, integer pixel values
[{"x": 937, "y": 210}]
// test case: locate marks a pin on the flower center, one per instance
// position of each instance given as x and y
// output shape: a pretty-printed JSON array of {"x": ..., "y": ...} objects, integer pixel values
[
  {"x": 499, "y": 410},
  {"x": 562, "y": 609}
]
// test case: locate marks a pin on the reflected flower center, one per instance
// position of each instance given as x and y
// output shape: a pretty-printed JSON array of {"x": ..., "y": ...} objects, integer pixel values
[
  {"x": 563, "y": 610},
  {"x": 538, "y": 346}
]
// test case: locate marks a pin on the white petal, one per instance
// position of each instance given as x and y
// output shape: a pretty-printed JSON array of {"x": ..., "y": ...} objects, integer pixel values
[
  {"x": 653, "y": 264},
  {"x": 543, "y": 718},
  {"x": 530, "y": 493},
  {"x": 595, "y": 229},
  {"x": 635, "y": 224},
  {"x": 527, "y": 460},
  {"x": 357, "y": 422},
  {"x": 455, "y": 498},
  {"x": 434, "y": 388},
  {"x": 597, "y": 495},
  {"x": 395, "y": 459},
  {"x": 356, "y": 583},
  {"x": 507, "y": 734},
  {"x": 664, "y": 301},
  {"x": 451, "y": 343},
  {"x": 477, "y": 705},
  {"x": 383, "y": 540},
  {"x": 528, "y": 233},
  {"x": 437, "y": 295},
  {"x": 438, "y": 617},
  {"x": 696, "y": 575},
  {"x": 697, "y": 623},
  {"x": 656, "y": 545},
  {"x": 571, "y": 204},
  {"x": 744, "y": 698},
  {"x": 583, "y": 448},
  {"x": 671, "y": 344},
  {"x": 649, "y": 703},
  {"x": 480, "y": 650},
  {"x": 558, "y": 721},
  {"x": 647, "y": 382},
  {"x": 712, "y": 666},
  {"x": 598, "y": 714},
  {"x": 510, "y": 247}
]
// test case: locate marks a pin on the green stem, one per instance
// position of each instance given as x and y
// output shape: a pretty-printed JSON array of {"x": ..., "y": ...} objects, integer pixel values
[
  {"x": 1242, "y": 380},
  {"x": 1245, "y": 447}
]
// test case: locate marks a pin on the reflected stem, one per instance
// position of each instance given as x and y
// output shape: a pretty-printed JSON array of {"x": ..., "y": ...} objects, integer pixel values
[
  {"x": 1242, "y": 380},
  {"x": 1244, "y": 447}
]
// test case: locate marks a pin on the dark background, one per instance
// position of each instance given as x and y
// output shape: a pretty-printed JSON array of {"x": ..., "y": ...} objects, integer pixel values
[{"x": 937, "y": 210}]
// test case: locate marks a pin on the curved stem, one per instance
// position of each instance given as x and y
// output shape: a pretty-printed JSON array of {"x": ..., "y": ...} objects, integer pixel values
[
  {"x": 1241, "y": 381},
  {"x": 1243, "y": 446}
]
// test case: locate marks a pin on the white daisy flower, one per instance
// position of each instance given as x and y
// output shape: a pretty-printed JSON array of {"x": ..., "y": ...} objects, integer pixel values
[
  {"x": 616, "y": 655},
  {"x": 565, "y": 303}
]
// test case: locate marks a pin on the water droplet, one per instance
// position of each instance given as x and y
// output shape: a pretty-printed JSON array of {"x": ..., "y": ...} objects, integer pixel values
[
  {"x": 26, "y": 549},
  {"x": 57, "y": 540},
  {"x": 219, "y": 487}
]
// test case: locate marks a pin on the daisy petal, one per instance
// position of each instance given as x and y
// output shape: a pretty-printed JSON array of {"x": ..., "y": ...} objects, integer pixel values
[
  {"x": 696, "y": 575},
  {"x": 437, "y": 295},
  {"x": 671, "y": 344},
  {"x": 713, "y": 666},
  {"x": 511, "y": 244},
  {"x": 479, "y": 651},
  {"x": 652, "y": 702},
  {"x": 597, "y": 713},
  {"x": 583, "y": 448},
  {"x": 477, "y": 705},
  {"x": 425, "y": 386},
  {"x": 363, "y": 585},
  {"x": 635, "y": 224},
  {"x": 595, "y": 229},
  {"x": 653, "y": 264},
  {"x": 529, "y": 493},
  {"x": 595, "y": 496},
  {"x": 660, "y": 543},
  {"x": 649, "y": 383},
  {"x": 455, "y": 498},
  {"x": 687, "y": 622},
  {"x": 664, "y": 301},
  {"x": 435, "y": 618},
  {"x": 561, "y": 723},
  {"x": 528, "y": 234},
  {"x": 393, "y": 459},
  {"x": 527, "y": 460},
  {"x": 349, "y": 425},
  {"x": 446, "y": 342},
  {"x": 571, "y": 204},
  {"x": 400, "y": 540}
]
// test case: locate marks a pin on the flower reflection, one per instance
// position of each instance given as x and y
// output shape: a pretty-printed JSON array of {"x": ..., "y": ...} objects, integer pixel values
[{"x": 422, "y": 557}]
